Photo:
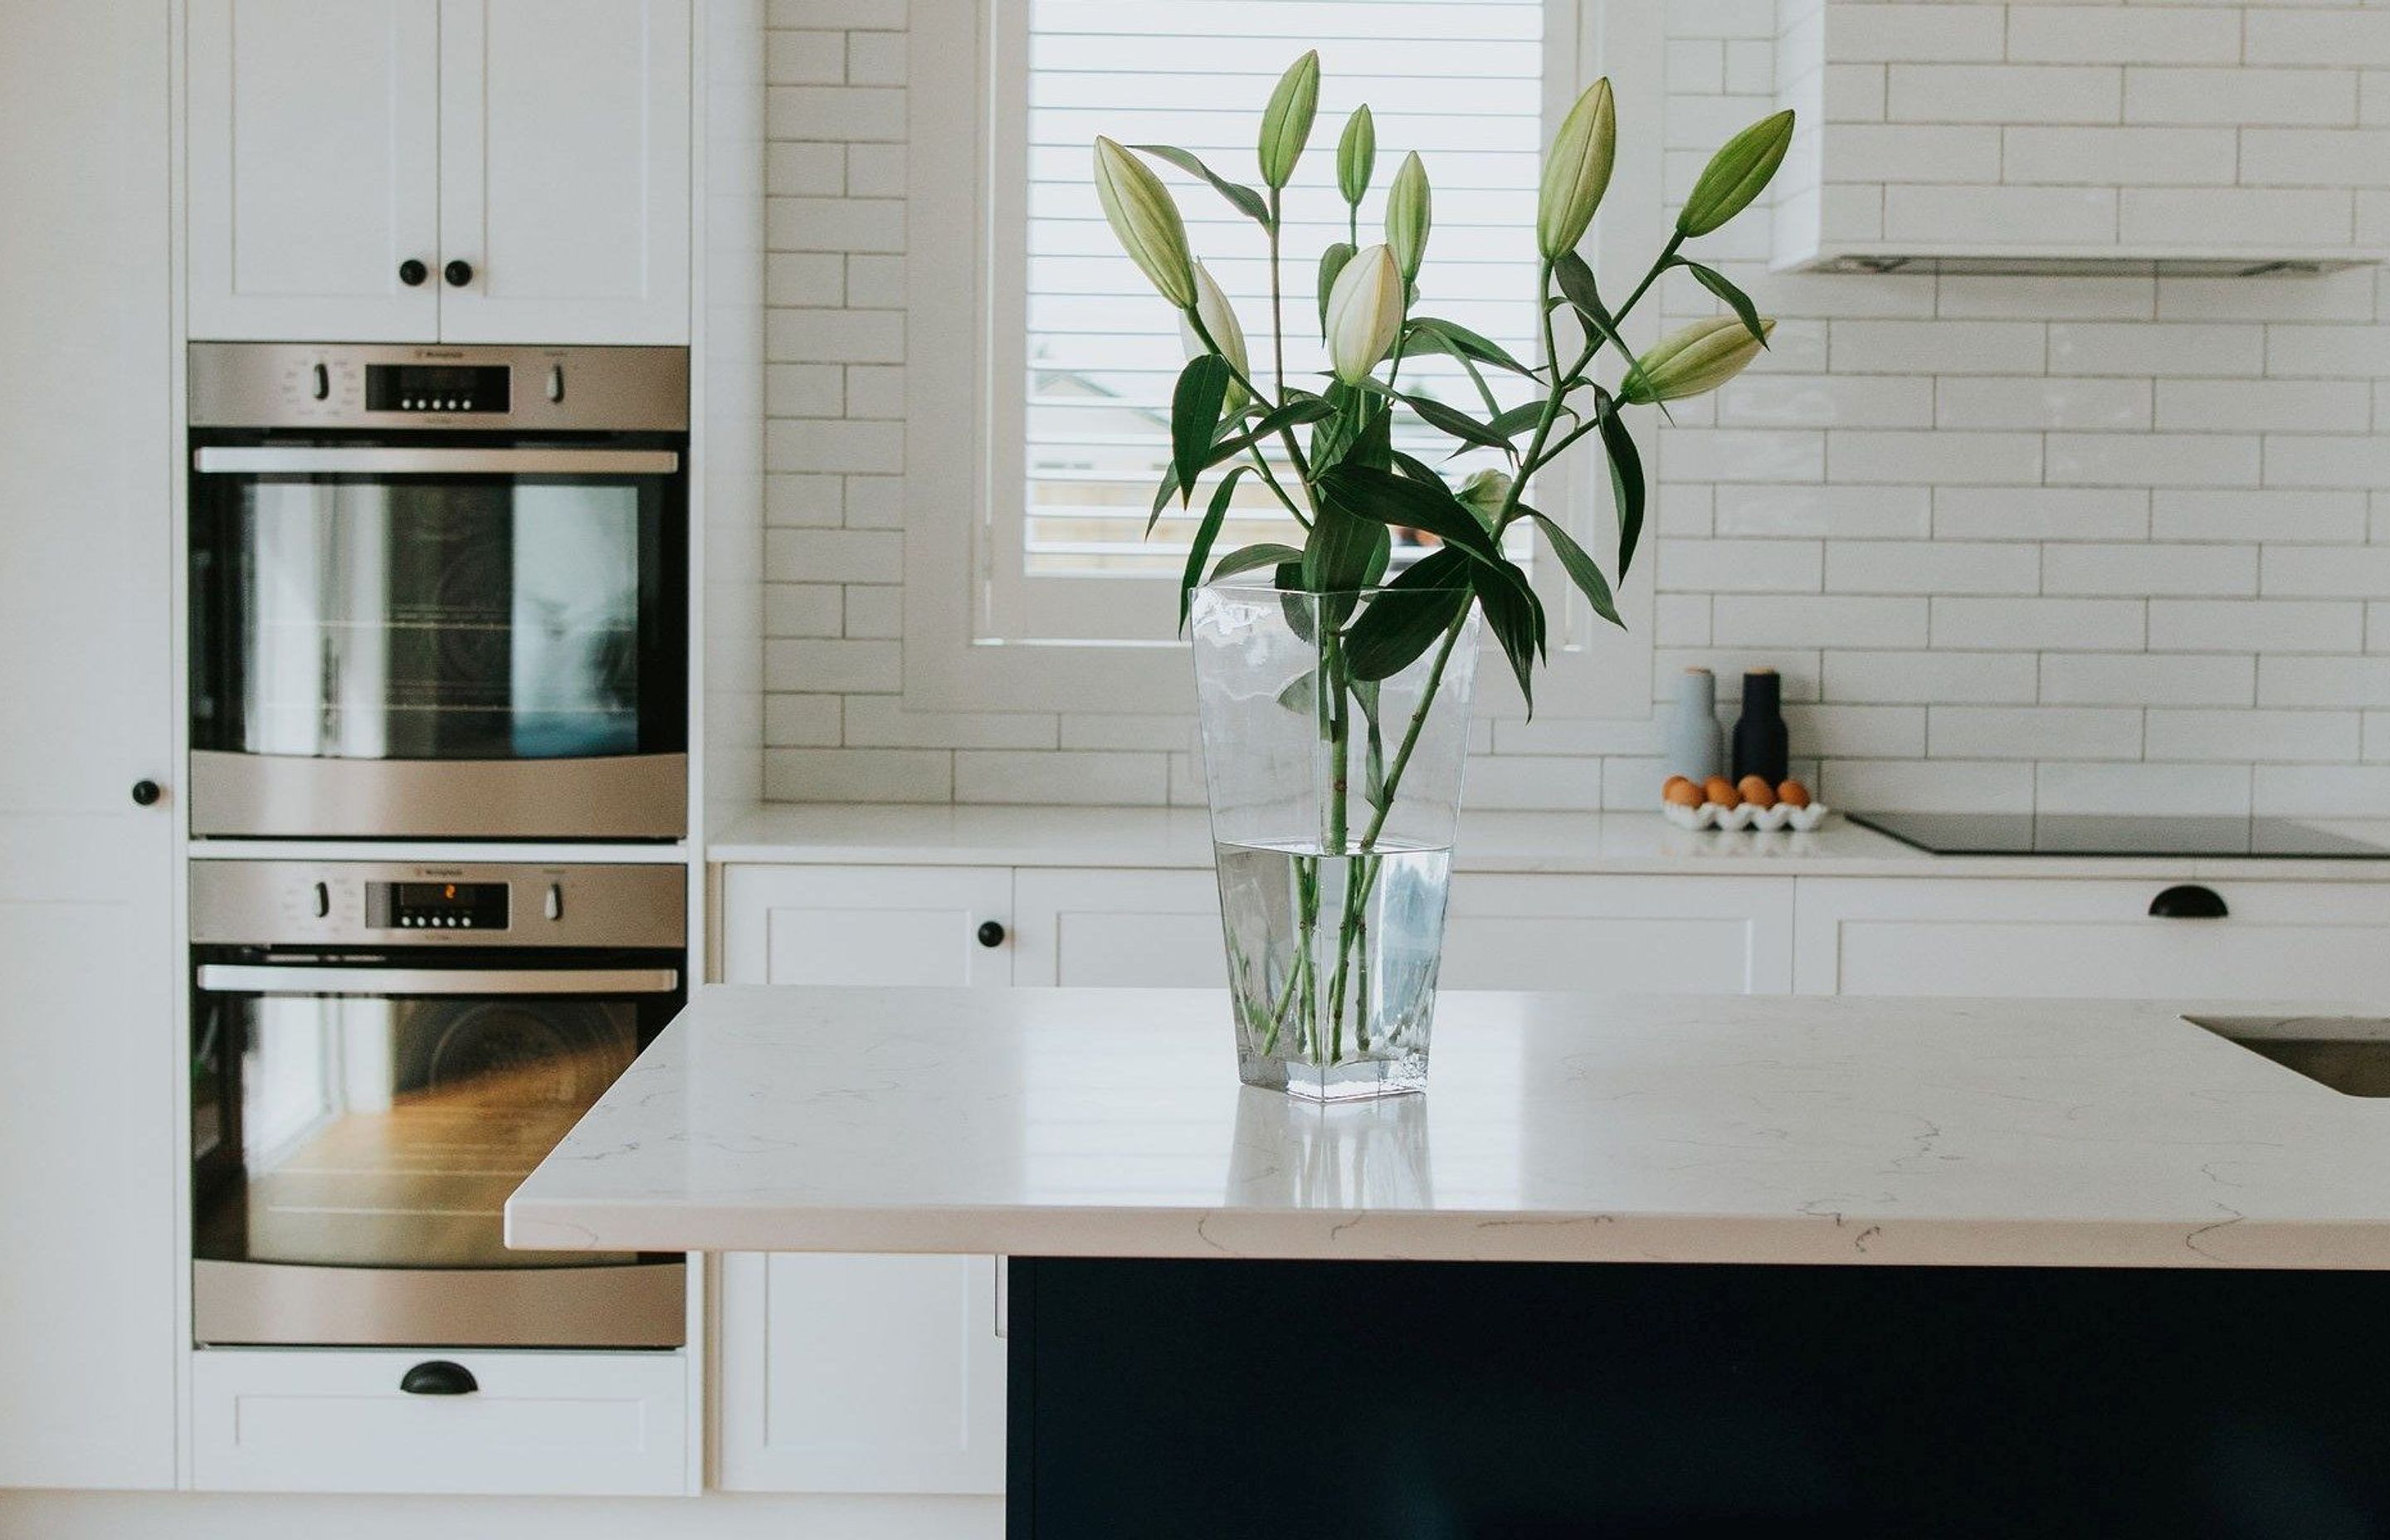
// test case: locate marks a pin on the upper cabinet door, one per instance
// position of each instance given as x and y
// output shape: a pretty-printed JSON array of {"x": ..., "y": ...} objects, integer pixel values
[
  {"x": 313, "y": 170},
  {"x": 564, "y": 183}
]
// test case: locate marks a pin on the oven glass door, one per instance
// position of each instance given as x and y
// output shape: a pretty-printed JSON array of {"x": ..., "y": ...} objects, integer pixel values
[
  {"x": 378, "y": 1115},
  {"x": 438, "y": 603}
]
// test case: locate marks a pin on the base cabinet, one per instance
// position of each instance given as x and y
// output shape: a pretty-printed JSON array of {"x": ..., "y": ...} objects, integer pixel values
[
  {"x": 2092, "y": 939},
  {"x": 846, "y": 1373},
  {"x": 314, "y": 1420}
]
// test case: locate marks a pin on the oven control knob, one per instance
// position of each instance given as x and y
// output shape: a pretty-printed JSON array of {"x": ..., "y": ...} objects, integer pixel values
[
  {"x": 554, "y": 905},
  {"x": 322, "y": 896},
  {"x": 146, "y": 793},
  {"x": 321, "y": 385},
  {"x": 556, "y": 382}
]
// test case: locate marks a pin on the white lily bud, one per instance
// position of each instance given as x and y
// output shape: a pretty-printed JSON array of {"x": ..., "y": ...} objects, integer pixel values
[
  {"x": 1692, "y": 360},
  {"x": 1219, "y": 319},
  {"x": 1145, "y": 220},
  {"x": 1365, "y": 312}
]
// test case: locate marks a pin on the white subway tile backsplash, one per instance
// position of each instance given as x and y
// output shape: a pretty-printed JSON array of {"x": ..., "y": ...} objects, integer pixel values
[
  {"x": 2102, "y": 542},
  {"x": 1930, "y": 678},
  {"x": 2036, "y": 732},
  {"x": 2146, "y": 679},
  {"x": 2044, "y": 624}
]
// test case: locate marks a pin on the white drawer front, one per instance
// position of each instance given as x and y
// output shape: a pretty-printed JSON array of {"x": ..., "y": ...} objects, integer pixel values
[
  {"x": 1634, "y": 935},
  {"x": 2280, "y": 941},
  {"x": 325, "y": 1420}
]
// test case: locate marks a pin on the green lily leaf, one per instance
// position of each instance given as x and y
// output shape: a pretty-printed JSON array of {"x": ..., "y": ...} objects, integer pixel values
[
  {"x": 1205, "y": 533},
  {"x": 1720, "y": 285},
  {"x": 1244, "y": 558},
  {"x": 1405, "y": 620},
  {"x": 1430, "y": 334},
  {"x": 1578, "y": 288},
  {"x": 1294, "y": 414},
  {"x": 1460, "y": 425},
  {"x": 1418, "y": 471},
  {"x": 1579, "y": 566},
  {"x": 1195, "y": 408},
  {"x": 1385, "y": 499},
  {"x": 1245, "y": 201},
  {"x": 1625, "y": 480},
  {"x": 1338, "y": 554},
  {"x": 1516, "y": 618}
]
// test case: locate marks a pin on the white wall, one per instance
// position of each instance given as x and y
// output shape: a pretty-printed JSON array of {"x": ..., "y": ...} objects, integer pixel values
[{"x": 2074, "y": 544}]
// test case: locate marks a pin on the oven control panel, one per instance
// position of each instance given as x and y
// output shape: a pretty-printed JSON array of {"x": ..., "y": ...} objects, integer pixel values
[
  {"x": 327, "y": 386},
  {"x": 388, "y": 903},
  {"x": 437, "y": 906}
]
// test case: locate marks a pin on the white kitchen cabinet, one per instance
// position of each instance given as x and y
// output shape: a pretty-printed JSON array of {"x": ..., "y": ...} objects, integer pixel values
[
  {"x": 1640, "y": 935},
  {"x": 88, "y": 1145},
  {"x": 1117, "y": 927},
  {"x": 564, "y": 170},
  {"x": 862, "y": 1373},
  {"x": 866, "y": 925},
  {"x": 313, "y": 154},
  {"x": 2056, "y": 937},
  {"x": 525, "y": 164},
  {"x": 312, "y": 1419}
]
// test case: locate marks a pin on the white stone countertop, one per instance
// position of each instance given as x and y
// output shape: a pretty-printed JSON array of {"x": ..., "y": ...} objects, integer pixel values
[
  {"x": 1620, "y": 843},
  {"x": 1109, "y": 1122}
]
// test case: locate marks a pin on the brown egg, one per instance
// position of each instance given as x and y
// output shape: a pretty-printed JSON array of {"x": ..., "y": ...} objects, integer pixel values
[
  {"x": 1756, "y": 791},
  {"x": 1718, "y": 790},
  {"x": 1792, "y": 794},
  {"x": 1680, "y": 792}
]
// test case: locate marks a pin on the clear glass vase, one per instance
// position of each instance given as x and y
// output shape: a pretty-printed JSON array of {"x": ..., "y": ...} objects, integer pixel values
[{"x": 1333, "y": 805}]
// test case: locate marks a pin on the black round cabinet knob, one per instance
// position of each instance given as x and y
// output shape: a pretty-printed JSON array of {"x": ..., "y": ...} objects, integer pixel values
[
  {"x": 412, "y": 272},
  {"x": 458, "y": 273},
  {"x": 990, "y": 934},
  {"x": 146, "y": 793}
]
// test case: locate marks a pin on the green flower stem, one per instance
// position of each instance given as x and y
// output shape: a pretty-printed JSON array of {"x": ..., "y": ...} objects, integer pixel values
[{"x": 1277, "y": 309}]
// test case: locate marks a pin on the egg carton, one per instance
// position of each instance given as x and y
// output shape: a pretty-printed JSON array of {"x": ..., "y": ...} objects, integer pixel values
[{"x": 1745, "y": 816}]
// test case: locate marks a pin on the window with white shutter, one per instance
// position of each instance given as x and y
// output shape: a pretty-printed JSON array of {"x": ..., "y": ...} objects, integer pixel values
[{"x": 1459, "y": 83}]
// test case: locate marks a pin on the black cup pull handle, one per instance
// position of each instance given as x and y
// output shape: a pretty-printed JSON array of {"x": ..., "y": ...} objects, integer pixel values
[
  {"x": 2188, "y": 901},
  {"x": 146, "y": 793},
  {"x": 439, "y": 1378},
  {"x": 990, "y": 934}
]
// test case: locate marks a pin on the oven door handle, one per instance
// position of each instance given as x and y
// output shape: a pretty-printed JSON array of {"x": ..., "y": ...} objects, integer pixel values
[
  {"x": 302, "y": 979},
  {"x": 303, "y": 460}
]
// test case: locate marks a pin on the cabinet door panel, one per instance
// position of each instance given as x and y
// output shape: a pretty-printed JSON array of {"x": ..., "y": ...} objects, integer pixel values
[
  {"x": 1640, "y": 935},
  {"x": 867, "y": 1374},
  {"x": 88, "y": 1343},
  {"x": 314, "y": 168},
  {"x": 864, "y": 925},
  {"x": 876, "y": 1374},
  {"x": 1118, "y": 929},
  {"x": 2053, "y": 937},
  {"x": 564, "y": 170}
]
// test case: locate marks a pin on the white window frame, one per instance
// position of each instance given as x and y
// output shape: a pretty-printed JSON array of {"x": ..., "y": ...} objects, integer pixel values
[{"x": 965, "y": 329}]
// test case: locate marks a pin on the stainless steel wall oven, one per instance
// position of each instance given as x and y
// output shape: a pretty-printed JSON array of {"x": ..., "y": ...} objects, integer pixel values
[
  {"x": 438, "y": 591},
  {"x": 379, "y": 1054}
]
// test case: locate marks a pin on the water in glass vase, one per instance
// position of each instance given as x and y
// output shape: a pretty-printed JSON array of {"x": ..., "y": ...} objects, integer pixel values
[{"x": 1331, "y": 964}]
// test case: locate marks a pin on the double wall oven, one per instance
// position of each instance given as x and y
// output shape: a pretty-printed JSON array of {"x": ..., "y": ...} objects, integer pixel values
[
  {"x": 439, "y": 593},
  {"x": 438, "y": 596}
]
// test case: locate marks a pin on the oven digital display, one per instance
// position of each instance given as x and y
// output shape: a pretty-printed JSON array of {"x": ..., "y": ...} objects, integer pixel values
[
  {"x": 436, "y": 906},
  {"x": 437, "y": 388}
]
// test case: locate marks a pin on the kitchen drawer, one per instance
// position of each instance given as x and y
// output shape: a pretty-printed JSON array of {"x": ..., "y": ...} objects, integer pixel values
[
  {"x": 313, "y": 1419},
  {"x": 2054, "y": 937}
]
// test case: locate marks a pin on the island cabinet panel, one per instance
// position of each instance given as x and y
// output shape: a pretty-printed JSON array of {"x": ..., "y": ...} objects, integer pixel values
[
  {"x": 459, "y": 171},
  {"x": 863, "y": 1373},
  {"x": 535, "y": 1423},
  {"x": 1118, "y": 927},
  {"x": 88, "y": 1141},
  {"x": 2098, "y": 939},
  {"x": 1644, "y": 935},
  {"x": 866, "y": 925}
]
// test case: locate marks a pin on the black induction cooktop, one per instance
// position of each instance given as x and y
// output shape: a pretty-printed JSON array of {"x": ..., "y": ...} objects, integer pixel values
[{"x": 2086, "y": 834}]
